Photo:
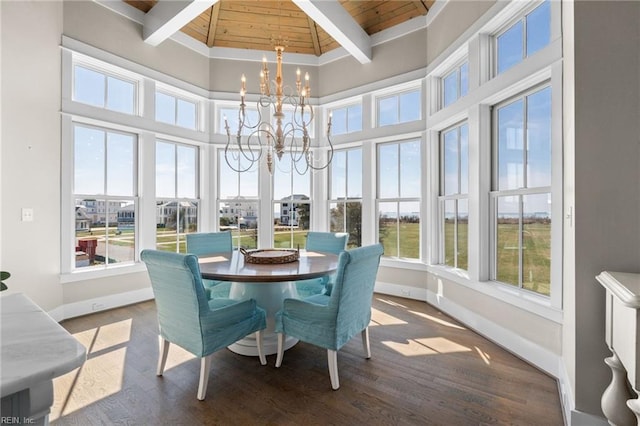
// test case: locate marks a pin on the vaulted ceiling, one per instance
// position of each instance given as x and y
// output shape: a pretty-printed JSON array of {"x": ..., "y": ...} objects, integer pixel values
[{"x": 307, "y": 26}]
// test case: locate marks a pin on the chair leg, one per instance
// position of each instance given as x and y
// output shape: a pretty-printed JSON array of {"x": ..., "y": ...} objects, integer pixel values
[
  {"x": 332, "y": 357},
  {"x": 205, "y": 366},
  {"x": 162, "y": 355},
  {"x": 365, "y": 342},
  {"x": 280, "y": 354},
  {"x": 263, "y": 360}
]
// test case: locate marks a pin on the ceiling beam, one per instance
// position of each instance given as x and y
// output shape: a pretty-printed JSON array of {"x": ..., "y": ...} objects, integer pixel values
[
  {"x": 213, "y": 23},
  {"x": 167, "y": 17},
  {"x": 337, "y": 22},
  {"x": 314, "y": 36}
]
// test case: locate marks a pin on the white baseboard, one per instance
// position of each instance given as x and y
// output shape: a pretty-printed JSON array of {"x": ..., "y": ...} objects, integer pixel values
[
  {"x": 571, "y": 415},
  {"x": 76, "y": 309},
  {"x": 531, "y": 352},
  {"x": 401, "y": 291}
]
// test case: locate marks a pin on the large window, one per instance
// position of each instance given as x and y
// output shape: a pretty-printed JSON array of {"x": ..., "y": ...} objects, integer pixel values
[
  {"x": 523, "y": 38},
  {"x": 176, "y": 194},
  {"x": 104, "y": 190},
  {"x": 399, "y": 108},
  {"x": 455, "y": 84},
  {"x": 522, "y": 192},
  {"x": 345, "y": 207},
  {"x": 103, "y": 90},
  {"x": 346, "y": 119},
  {"x": 238, "y": 198},
  {"x": 176, "y": 111},
  {"x": 291, "y": 204},
  {"x": 454, "y": 188},
  {"x": 399, "y": 198}
]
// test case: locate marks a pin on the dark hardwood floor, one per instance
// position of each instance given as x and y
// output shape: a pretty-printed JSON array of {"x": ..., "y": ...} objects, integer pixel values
[{"x": 426, "y": 369}]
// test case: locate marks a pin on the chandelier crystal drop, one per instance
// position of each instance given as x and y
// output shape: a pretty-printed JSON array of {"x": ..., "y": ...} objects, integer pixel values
[{"x": 272, "y": 139}]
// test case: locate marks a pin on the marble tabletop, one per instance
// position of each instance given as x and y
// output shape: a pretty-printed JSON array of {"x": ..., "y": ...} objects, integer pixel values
[{"x": 33, "y": 347}]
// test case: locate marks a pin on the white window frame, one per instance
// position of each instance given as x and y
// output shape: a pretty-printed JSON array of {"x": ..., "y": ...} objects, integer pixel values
[
  {"x": 198, "y": 197},
  {"x": 256, "y": 199},
  {"x": 346, "y": 108},
  {"x": 442, "y": 199},
  {"x": 108, "y": 70},
  {"x": 184, "y": 96},
  {"x": 457, "y": 69},
  {"x": 70, "y": 250},
  {"x": 397, "y": 200},
  {"x": 397, "y": 91},
  {"x": 495, "y": 193},
  {"x": 334, "y": 200},
  {"x": 521, "y": 17}
]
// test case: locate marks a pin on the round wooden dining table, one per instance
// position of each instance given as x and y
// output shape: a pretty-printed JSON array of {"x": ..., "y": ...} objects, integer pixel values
[{"x": 268, "y": 284}]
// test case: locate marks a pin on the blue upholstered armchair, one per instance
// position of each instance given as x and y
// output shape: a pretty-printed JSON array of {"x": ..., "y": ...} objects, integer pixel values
[
  {"x": 203, "y": 243},
  {"x": 327, "y": 242},
  {"x": 187, "y": 319},
  {"x": 330, "y": 321}
]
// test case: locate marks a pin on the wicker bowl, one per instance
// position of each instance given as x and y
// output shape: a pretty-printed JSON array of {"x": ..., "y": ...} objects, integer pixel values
[{"x": 270, "y": 256}]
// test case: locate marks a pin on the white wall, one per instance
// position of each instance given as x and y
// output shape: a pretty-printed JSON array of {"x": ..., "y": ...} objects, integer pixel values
[
  {"x": 602, "y": 182},
  {"x": 30, "y": 153}
]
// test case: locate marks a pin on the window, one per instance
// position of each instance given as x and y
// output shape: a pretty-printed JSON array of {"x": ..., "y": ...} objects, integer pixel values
[
  {"x": 523, "y": 38},
  {"x": 521, "y": 197},
  {"x": 345, "y": 206},
  {"x": 176, "y": 194},
  {"x": 104, "y": 190},
  {"x": 291, "y": 203},
  {"x": 176, "y": 111},
  {"x": 238, "y": 198},
  {"x": 103, "y": 90},
  {"x": 231, "y": 114},
  {"x": 399, "y": 108},
  {"x": 455, "y": 84},
  {"x": 399, "y": 198},
  {"x": 346, "y": 119},
  {"x": 454, "y": 188}
]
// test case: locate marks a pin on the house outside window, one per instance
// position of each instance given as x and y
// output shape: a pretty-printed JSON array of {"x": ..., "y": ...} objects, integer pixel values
[
  {"x": 177, "y": 198},
  {"x": 238, "y": 202},
  {"x": 291, "y": 204},
  {"x": 345, "y": 198},
  {"x": 104, "y": 192}
]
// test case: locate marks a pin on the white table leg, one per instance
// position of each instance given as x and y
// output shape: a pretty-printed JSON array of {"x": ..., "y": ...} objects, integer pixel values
[
  {"x": 269, "y": 297},
  {"x": 615, "y": 396}
]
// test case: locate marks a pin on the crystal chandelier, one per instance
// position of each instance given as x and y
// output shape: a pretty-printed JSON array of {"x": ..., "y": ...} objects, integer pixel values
[{"x": 274, "y": 138}]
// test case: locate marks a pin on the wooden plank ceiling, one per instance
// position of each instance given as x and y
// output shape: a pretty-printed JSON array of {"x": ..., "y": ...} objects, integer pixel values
[{"x": 254, "y": 24}]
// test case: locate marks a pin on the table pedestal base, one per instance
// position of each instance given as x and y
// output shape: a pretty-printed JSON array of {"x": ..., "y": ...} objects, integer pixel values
[{"x": 269, "y": 296}]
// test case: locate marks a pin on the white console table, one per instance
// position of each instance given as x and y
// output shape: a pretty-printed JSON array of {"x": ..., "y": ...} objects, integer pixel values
[
  {"x": 33, "y": 351},
  {"x": 622, "y": 334}
]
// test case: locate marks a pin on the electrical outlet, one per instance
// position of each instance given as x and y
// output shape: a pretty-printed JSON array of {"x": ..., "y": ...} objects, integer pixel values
[
  {"x": 27, "y": 214},
  {"x": 97, "y": 306}
]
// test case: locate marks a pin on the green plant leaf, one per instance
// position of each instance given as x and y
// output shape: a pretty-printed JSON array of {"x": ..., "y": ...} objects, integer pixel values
[
  {"x": 3, "y": 286},
  {"x": 4, "y": 275}
]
